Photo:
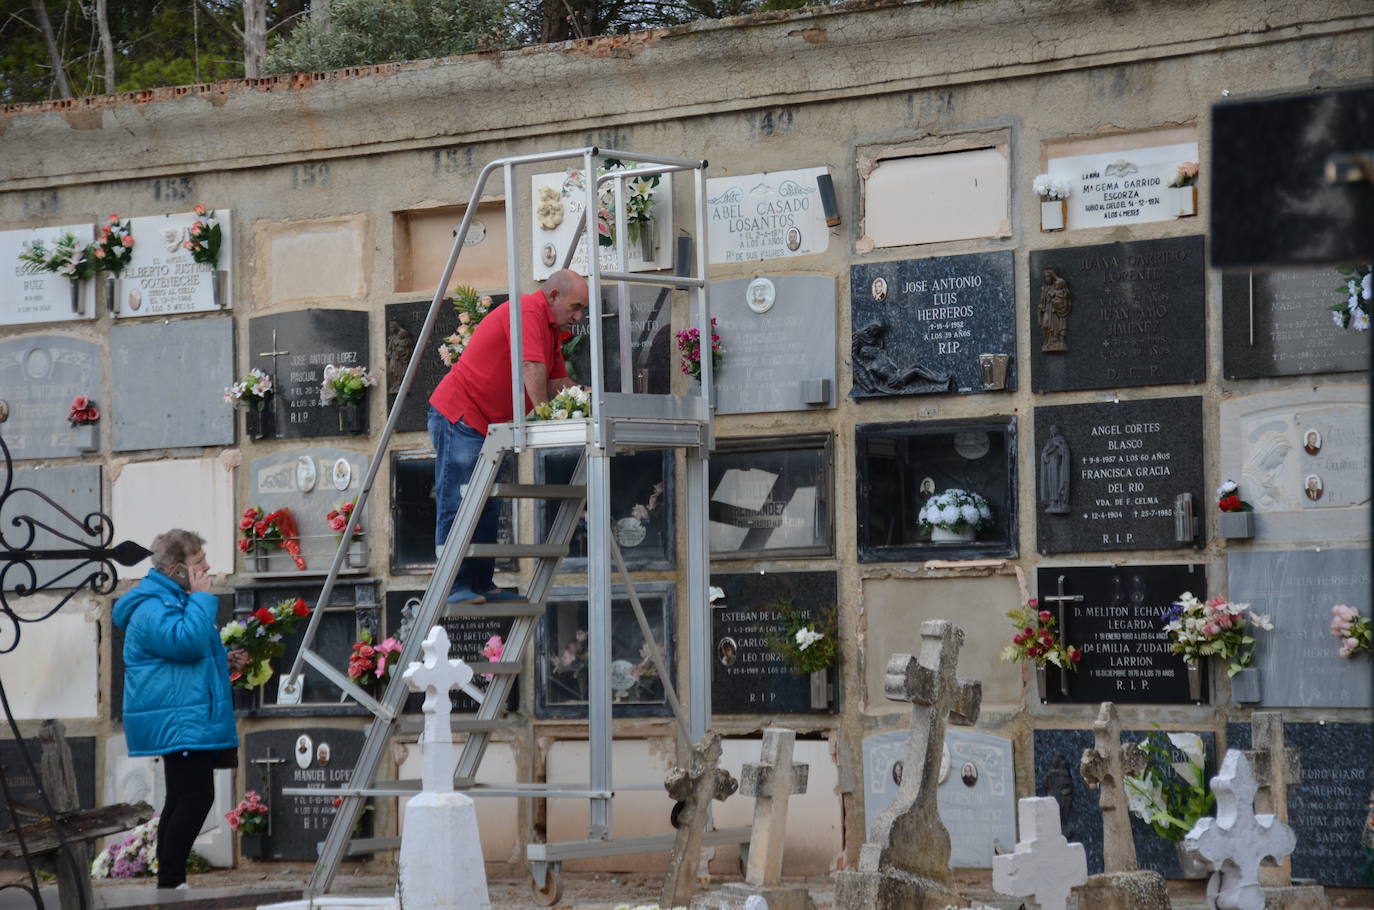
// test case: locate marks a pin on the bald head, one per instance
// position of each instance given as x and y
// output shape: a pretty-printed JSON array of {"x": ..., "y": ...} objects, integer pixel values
[{"x": 566, "y": 292}]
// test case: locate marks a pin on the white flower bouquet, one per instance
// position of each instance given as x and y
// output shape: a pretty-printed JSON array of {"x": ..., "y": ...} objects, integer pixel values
[
  {"x": 573, "y": 403},
  {"x": 1051, "y": 188},
  {"x": 1358, "y": 289},
  {"x": 955, "y": 510}
]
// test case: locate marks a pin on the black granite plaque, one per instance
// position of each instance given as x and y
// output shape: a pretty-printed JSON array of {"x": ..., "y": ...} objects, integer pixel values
[
  {"x": 1279, "y": 324},
  {"x": 24, "y": 788},
  {"x": 923, "y": 325},
  {"x": 403, "y": 324},
  {"x": 641, "y": 507},
  {"x": 1118, "y": 315},
  {"x": 1057, "y": 753},
  {"x": 772, "y": 497},
  {"x": 414, "y": 511},
  {"x": 1327, "y": 808},
  {"x": 1112, "y": 614},
  {"x": 467, "y": 636},
  {"x": 1109, "y": 478},
  {"x": 316, "y": 757},
  {"x": 747, "y": 677},
  {"x": 294, "y": 348},
  {"x": 902, "y": 465},
  {"x": 561, "y": 651},
  {"x": 651, "y": 342}
]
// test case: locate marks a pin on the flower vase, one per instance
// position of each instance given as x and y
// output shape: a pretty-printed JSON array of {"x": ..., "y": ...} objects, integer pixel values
[
  {"x": 260, "y": 423},
  {"x": 946, "y": 535},
  {"x": 1054, "y": 215},
  {"x": 1042, "y": 683},
  {"x": 1186, "y": 198},
  {"x": 75, "y": 290},
  {"x": 820, "y": 689},
  {"x": 253, "y": 846},
  {"x": 351, "y": 419},
  {"x": 1190, "y": 865},
  {"x": 357, "y": 554},
  {"x": 1245, "y": 687},
  {"x": 257, "y": 561},
  {"x": 219, "y": 288},
  {"x": 86, "y": 437},
  {"x": 111, "y": 294},
  {"x": 1194, "y": 680},
  {"x": 1236, "y": 525},
  {"x": 646, "y": 240}
]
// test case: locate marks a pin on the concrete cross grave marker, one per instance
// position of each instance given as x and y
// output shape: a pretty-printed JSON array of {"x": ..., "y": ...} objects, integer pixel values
[
  {"x": 1105, "y": 768},
  {"x": 905, "y": 862},
  {"x": 692, "y": 788},
  {"x": 1044, "y": 865},
  {"x": 435, "y": 675},
  {"x": 1237, "y": 840},
  {"x": 771, "y": 781},
  {"x": 1275, "y": 767}
]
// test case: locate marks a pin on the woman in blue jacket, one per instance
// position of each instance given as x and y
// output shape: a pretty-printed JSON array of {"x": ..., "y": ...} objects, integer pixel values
[{"x": 177, "y": 702}]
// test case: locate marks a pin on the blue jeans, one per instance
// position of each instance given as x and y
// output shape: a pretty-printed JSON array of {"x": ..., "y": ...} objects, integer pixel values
[{"x": 456, "y": 448}]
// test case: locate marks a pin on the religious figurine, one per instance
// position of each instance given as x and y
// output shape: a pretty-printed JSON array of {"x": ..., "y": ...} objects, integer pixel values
[
  {"x": 1054, "y": 474},
  {"x": 1055, "y": 305},
  {"x": 875, "y": 371},
  {"x": 400, "y": 345}
]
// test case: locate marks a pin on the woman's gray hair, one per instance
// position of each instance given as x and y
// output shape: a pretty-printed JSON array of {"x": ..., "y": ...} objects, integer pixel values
[{"x": 175, "y": 546}]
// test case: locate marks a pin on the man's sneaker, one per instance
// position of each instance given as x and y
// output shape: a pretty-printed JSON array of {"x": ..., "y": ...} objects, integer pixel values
[
  {"x": 462, "y": 595},
  {"x": 496, "y": 594}
]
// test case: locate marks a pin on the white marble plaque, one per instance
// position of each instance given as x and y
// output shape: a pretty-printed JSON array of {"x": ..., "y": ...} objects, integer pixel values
[
  {"x": 162, "y": 278},
  {"x": 149, "y": 497},
  {"x": 1123, "y": 187},
  {"x": 39, "y": 686},
  {"x": 41, "y": 296},
  {"x": 558, "y": 202},
  {"x": 766, "y": 216}
]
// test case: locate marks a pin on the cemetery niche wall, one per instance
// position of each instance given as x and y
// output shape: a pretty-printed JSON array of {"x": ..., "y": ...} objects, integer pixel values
[
  {"x": 148, "y": 411},
  {"x": 560, "y": 650},
  {"x": 772, "y": 496},
  {"x": 643, "y": 519},
  {"x": 414, "y": 512},
  {"x": 471, "y": 638},
  {"x": 311, "y": 483},
  {"x": 652, "y": 352},
  {"x": 902, "y": 468}
]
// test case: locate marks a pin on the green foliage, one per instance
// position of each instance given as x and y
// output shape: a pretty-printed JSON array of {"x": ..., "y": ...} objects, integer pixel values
[
  {"x": 364, "y": 32},
  {"x": 1171, "y": 795},
  {"x": 817, "y": 647}
]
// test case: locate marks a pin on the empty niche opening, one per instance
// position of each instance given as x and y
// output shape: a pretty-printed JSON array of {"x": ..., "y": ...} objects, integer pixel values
[
  {"x": 937, "y": 197},
  {"x": 424, "y": 239}
]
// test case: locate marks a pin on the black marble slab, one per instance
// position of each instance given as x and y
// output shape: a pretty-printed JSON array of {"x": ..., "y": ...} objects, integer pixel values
[
  {"x": 467, "y": 636},
  {"x": 1279, "y": 324},
  {"x": 1117, "y": 315},
  {"x": 295, "y": 356},
  {"x": 301, "y": 757}
]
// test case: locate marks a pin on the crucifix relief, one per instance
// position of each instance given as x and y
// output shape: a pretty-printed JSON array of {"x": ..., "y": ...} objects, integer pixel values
[
  {"x": 265, "y": 769},
  {"x": 1058, "y": 599},
  {"x": 1105, "y": 768}
]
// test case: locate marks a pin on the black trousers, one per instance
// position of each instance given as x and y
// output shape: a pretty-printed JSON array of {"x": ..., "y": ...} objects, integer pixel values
[{"x": 190, "y": 780}]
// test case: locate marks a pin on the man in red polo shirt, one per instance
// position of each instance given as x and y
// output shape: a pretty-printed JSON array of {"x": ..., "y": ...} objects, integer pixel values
[{"x": 476, "y": 393}]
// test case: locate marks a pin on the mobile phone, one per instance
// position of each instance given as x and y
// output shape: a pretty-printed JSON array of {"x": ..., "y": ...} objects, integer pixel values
[{"x": 180, "y": 574}]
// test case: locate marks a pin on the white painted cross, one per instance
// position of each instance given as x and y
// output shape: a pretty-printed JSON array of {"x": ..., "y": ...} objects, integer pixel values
[
  {"x": 1044, "y": 865},
  {"x": 1237, "y": 840},
  {"x": 435, "y": 675}
]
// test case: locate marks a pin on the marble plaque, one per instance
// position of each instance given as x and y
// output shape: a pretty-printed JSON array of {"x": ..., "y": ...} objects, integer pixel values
[
  {"x": 1117, "y": 315},
  {"x": 653, "y": 358},
  {"x": 1301, "y": 457},
  {"x": 1279, "y": 324},
  {"x": 148, "y": 497},
  {"x": 76, "y": 490},
  {"x": 37, "y": 685},
  {"x": 151, "y": 409},
  {"x": 27, "y": 297},
  {"x": 1328, "y": 806},
  {"x": 976, "y": 793},
  {"x": 314, "y": 757},
  {"x": 162, "y": 278},
  {"x": 563, "y": 198},
  {"x": 1299, "y": 662},
  {"x": 1122, "y": 187},
  {"x": 778, "y": 336},
  {"x": 931, "y": 325},
  {"x": 404, "y": 322},
  {"x": 1109, "y": 479},
  {"x": 766, "y": 216},
  {"x": 294, "y": 348},
  {"x": 39, "y": 377},
  {"x": 311, "y": 483},
  {"x": 467, "y": 636},
  {"x": 747, "y": 677}
]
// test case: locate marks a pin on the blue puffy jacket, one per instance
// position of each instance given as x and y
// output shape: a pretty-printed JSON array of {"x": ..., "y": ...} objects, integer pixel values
[{"x": 176, "y": 677}]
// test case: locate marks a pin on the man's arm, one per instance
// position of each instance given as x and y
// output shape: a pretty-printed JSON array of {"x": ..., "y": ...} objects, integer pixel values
[{"x": 536, "y": 378}]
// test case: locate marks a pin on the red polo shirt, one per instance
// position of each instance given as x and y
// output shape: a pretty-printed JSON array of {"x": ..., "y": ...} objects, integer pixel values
[{"x": 477, "y": 387}]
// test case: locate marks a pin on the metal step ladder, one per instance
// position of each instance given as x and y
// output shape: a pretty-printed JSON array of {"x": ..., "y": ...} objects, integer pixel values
[{"x": 619, "y": 422}]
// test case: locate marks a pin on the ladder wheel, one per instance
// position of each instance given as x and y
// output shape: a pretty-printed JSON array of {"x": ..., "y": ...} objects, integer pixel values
[{"x": 552, "y": 892}]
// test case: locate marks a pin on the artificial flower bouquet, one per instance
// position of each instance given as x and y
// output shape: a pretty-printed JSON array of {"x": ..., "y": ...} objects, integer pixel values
[
  {"x": 808, "y": 644},
  {"x": 1050, "y": 189},
  {"x": 1352, "y": 629},
  {"x": 278, "y": 529},
  {"x": 1228, "y": 498},
  {"x": 639, "y": 203},
  {"x": 369, "y": 663},
  {"x": 338, "y": 520},
  {"x": 252, "y": 391},
  {"x": 572, "y": 403},
  {"x": 114, "y": 246},
  {"x": 689, "y": 351},
  {"x": 1197, "y": 629},
  {"x": 492, "y": 651},
  {"x": 1356, "y": 291},
  {"x": 83, "y": 412},
  {"x": 1037, "y": 640},
  {"x": 68, "y": 258},
  {"x": 1170, "y": 796},
  {"x": 472, "y": 309},
  {"x": 203, "y": 239},
  {"x": 345, "y": 385},
  {"x": 249, "y": 816},
  {"x": 259, "y": 635},
  {"x": 132, "y": 856},
  {"x": 955, "y": 510},
  {"x": 1185, "y": 175}
]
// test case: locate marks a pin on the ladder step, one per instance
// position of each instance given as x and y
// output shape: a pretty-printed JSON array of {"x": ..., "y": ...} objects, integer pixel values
[
  {"x": 517, "y": 550},
  {"x": 360, "y": 846},
  {"x": 506, "y": 609},
  {"x": 539, "y": 491}
]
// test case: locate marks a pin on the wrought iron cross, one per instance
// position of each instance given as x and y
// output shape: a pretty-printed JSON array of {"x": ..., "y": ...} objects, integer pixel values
[
  {"x": 1059, "y": 600},
  {"x": 273, "y": 353}
]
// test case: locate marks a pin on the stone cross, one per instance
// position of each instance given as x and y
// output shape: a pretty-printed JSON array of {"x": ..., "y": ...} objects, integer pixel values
[
  {"x": 692, "y": 788},
  {"x": 1275, "y": 768},
  {"x": 1044, "y": 865},
  {"x": 770, "y": 781},
  {"x": 435, "y": 675},
  {"x": 1105, "y": 768},
  {"x": 908, "y": 835},
  {"x": 1237, "y": 840}
]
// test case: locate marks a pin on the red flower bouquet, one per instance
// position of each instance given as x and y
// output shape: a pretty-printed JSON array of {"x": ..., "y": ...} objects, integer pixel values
[
  {"x": 83, "y": 411},
  {"x": 259, "y": 635},
  {"x": 278, "y": 529}
]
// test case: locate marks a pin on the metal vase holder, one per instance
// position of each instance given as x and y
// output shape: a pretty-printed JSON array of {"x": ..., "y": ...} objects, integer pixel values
[
  {"x": 646, "y": 240},
  {"x": 1042, "y": 683},
  {"x": 257, "y": 560},
  {"x": 351, "y": 418},
  {"x": 821, "y": 689},
  {"x": 1245, "y": 687},
  {"x": 1194, "y": 680},
  {"x": 260, "y": 423},
  {"x": 357, "y": 554}
]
